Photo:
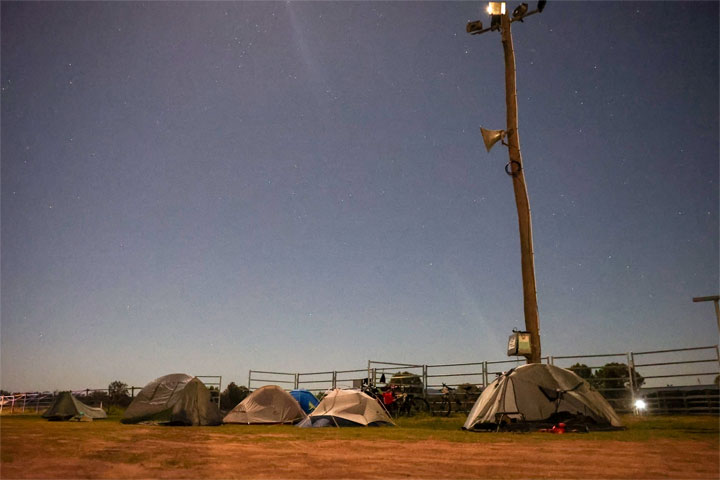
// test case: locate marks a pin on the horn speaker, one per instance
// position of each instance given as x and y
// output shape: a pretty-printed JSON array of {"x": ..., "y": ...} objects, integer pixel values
[{"x": 491, "y": 137}]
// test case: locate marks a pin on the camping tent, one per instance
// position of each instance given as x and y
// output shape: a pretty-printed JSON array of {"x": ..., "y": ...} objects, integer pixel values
[
  {"x": 176, "y": 399},
  {"x": 347, "y": 408},
  {"x": 268, "y": 404},
  {"x": 66, "y": 407},
  {"x": 306, "y": 399},
  {"x": 540, "y": 395}
]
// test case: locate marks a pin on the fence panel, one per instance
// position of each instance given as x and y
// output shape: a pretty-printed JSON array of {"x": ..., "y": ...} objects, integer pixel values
[
  {"x": 620, "y": 377},
  {"x": 404, "y": 373},
  {"x": 260, "y": 378},
  {"x": 680, "y": 381},
  {"x": 679, "y": 367},
  {"x": 38, "y": 402}
]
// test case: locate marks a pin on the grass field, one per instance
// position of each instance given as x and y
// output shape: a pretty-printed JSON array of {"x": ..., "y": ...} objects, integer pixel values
[{"x": 426, "y": 447}]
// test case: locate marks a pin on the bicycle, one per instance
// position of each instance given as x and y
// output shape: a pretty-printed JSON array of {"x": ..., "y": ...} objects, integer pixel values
[
  {"x": 448, "y": 397},
  {"x": 379, "y": 396},
  {"x": 398, "y": 402},
  {"x": 410, "y": 404}
]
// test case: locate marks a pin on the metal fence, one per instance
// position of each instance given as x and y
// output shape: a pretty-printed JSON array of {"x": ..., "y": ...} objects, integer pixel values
[
  {"x": 40, "y": 401},
  {"x": 316, "y": 382},
  {"x": 94, "y": 397},
  {"x": 21, "y": 402},
  {"x": 675, "y": 381},
  {"x": 641, "y": 375}
]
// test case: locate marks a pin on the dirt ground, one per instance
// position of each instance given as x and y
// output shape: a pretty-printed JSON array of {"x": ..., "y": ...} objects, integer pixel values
[{"x": 147, "y": 452}]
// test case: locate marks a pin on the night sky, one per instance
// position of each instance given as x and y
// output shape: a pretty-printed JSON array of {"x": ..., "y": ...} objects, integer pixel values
[{"x": 302, "y": 186}]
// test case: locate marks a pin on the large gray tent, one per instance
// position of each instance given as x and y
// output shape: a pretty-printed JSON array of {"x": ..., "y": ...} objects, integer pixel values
[
  {"x": 540, "y": 395},
  {"x": 266, "y": 405},
  {"x": 66, "y": 406},
  {"x": 176, "y": 399}
]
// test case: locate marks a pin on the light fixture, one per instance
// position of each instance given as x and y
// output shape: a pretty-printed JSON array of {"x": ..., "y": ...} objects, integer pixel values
[
  {"x": 475, "y": 26},
  {"x": 496, "y": 8},
  {"x": 640, "y": 405},
  {"x": 520, "y": 11},
  {"x": 491, "y": 137}
]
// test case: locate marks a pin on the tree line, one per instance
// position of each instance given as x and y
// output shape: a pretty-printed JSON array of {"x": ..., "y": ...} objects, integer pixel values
[{"x": 612, "y": 379}]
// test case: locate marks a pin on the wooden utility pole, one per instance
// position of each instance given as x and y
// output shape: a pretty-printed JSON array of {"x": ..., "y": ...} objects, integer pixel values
[
  {"x": 515, "y": 170},
  {"x": 501, "y": 21}
]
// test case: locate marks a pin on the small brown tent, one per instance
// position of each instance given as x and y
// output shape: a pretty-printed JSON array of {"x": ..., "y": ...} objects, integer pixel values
[{"x": 266, "y": 405}]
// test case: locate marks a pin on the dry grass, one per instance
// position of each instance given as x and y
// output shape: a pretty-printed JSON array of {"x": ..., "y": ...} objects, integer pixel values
[{"x": 652, "y": 447}]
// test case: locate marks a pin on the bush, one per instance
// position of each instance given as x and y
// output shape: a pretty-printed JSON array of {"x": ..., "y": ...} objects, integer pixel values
[
  {"x": 582, "y": 371},
  {"x": 232, "y": 395},
  {"x": 613, "y": 380}
]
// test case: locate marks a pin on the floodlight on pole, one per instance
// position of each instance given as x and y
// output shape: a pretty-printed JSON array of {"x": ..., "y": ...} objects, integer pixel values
[
  {"x": 520, "y": 11},
  {"x": 496, "y": 8},
  {"x": 474, "y": 27},
  {"x": 499, "y": 20}
]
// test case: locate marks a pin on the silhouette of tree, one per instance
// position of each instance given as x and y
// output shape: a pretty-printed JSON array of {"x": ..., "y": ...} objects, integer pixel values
[
  {"x": 232, "y": 395},
  {"x": 118, "y": 393}
]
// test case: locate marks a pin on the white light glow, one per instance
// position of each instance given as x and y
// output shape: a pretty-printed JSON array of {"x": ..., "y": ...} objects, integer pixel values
[
  {"x": 496, "y": 8},
  {"x": 640, "y": 404}
]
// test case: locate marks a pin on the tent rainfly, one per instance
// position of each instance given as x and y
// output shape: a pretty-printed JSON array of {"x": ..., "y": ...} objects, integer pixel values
[
  {"x": 66, "y": 407},
  {"x": 266, "y": 405},
  {"x": 540, "y": 395},
  {"x": 306, "y": 399},
  {"x": 175, "y": 399},
  {"x": 347, "y": 408}
]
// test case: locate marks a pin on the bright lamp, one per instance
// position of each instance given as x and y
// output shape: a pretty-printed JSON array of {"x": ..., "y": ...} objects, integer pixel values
[{"x": 496, "y": 8}]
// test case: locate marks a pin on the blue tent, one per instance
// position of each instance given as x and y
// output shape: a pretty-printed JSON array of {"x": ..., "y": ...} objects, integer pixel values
[{"x": 307, "y": 400}]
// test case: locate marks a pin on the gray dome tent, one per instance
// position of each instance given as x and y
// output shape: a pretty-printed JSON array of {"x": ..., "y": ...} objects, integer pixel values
[
  {"x": 266, "y": 405},
  {"x": 175, "y": 399},
  {"x": 66, "y": 406},
  {"x": 347, "y": 408},
  {"x": 540, "y": 395}
]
